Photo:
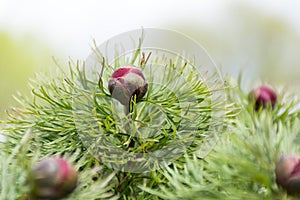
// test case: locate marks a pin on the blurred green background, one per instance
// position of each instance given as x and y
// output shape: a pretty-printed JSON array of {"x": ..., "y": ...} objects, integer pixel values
[
  {"x": 20, "y": 58},
  {"x": 261, "y": 39}
]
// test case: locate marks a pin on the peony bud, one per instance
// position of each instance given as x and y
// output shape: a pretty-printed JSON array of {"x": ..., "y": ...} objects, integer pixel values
[
  {"x": 53, "y": 178},
  {"x": 126, "y": 82},
  {"x": 288, "y": 173},
  {"x": 263, "y": 96}
]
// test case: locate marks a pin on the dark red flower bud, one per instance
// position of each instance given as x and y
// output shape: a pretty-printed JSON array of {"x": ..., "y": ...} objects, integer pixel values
[
  {"x": 53, "y": 178},
  {"x": 126, "y": 82},
  {"x": 263, "y": 96},
  {"x": 288, "y": 173}
]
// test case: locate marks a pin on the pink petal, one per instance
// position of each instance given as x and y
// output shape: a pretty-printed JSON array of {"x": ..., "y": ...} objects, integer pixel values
[
  {"x": 121, "y": 72},
  {"x": 64, "y": 169}
]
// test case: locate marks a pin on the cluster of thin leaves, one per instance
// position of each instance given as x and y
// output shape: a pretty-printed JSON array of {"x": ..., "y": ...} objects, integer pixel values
[
  {"x": 72, "y": 114},
  {"x": 242, "y": 164},
  {"x": 15, "y": 169}
]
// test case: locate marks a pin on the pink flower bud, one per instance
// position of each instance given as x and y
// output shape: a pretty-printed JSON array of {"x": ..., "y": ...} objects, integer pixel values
[
  {"x": 288, "y": 173},
  {"x": 53, "y": 178},
  {"x": 126, "y": 82},
  {"x": 263, "y": 96}
]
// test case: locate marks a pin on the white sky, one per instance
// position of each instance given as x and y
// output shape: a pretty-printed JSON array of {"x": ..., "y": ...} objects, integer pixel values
[{"x": 70, "y": 25}]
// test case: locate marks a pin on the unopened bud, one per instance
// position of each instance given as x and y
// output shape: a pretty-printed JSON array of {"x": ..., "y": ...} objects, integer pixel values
[
  {"x": 126, "y": 82},
  {"x": 263, "y": 96},
  {"x": 288, "y": 174},
  {"x": 53, "y": 178}
]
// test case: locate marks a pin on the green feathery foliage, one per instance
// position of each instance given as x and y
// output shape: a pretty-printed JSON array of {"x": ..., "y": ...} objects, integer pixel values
[
  {"x": 242, "y": 165},
  {"x": 178, "y": 142},
  {"x": 74, "y": 115},
  {"x": 15, "y": 167}
]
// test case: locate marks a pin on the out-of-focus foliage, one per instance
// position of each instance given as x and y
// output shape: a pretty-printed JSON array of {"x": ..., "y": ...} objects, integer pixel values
[{"x": 19, "y": 59}]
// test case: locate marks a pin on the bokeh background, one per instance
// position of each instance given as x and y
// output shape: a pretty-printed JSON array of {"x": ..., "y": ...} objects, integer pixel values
[{"x": 260, "y": 38}]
